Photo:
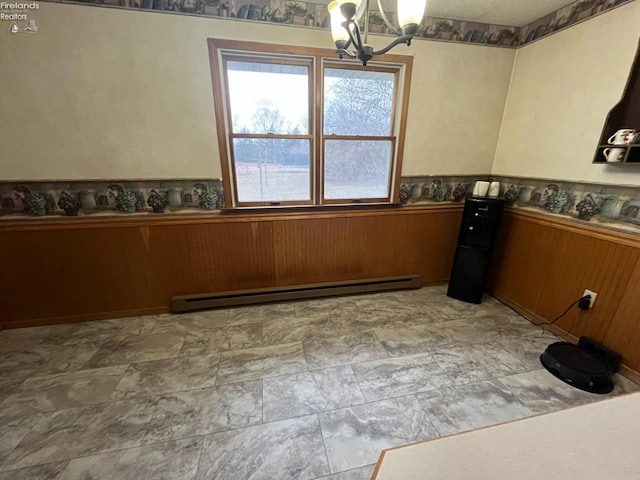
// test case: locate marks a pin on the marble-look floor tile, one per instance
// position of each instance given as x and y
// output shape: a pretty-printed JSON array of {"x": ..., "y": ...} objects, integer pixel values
[
  {"x": 397, "y": 377},
  {"x": 207, "y": 410},
  {"x": 68, "y": 334},
  {"x": 8, "y": 386},
  {"x": 415, "y": 339},
  {"x": 131, "y": 326},
  {"x": 361, "y": 320},
  {"x": 527, "y": 349},
  {"x": 541, "y": 392},
  {"x": 428, "y": 295},
  {"x": 201, "y": 342},
  {"x": 489, "y": 328},
  {"x": 362, "y": 473},
  {"x": 622, "y": 385},
  {"x": 448, "y": 309},
  {"x": 262, "y": 362},
  {"x": 50, "y": 471},
  {"x": 201, "y": 320},
  {"x": 297, "y": 329},
  {"x": 13, "y": 428},
  {"x": 177, "y": 460},
  {"x": 140, "y": 348},
  {"x": 63, "y": 390},
  {"x": 310, "y": 392},
  {"x": 398, "y": 303},
  {"x": 289, "y": 449},
  {"x": 320, "y": 307},
  {"x": 473, "y": 363},
  {"x": 83, "y": 431},
  {"x": 466, "y": 407},
  {"x": 34, "y": 338},
  {"x": 89, "y": 334},
  {"x": 259, "y": 313},
  {"x": 343, "y": 350},
  {"x": 189, "y": 322},
  {"x": 169, "y": 375},
  {"x": 45, "y": 359},
  {"x": 355, "y": 436}
]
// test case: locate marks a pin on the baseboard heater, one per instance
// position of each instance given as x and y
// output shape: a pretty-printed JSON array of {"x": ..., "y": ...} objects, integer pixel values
[{"x": 188, "y": 303}]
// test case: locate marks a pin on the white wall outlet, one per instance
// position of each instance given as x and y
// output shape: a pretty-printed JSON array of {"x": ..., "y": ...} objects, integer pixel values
[{"x": 593, "y": 297}]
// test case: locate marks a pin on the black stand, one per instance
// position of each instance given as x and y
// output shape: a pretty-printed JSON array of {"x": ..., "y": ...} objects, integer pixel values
[{"x": 478, "y": 232}]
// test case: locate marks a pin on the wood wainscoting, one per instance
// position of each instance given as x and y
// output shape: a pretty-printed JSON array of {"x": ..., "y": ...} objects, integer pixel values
[
  {"x": 83, "y": 269},
  {"x": 542, "y": 264}
]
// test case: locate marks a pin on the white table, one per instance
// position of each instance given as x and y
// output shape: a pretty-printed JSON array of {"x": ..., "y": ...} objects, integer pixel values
[{"x": 596, "y": 441}]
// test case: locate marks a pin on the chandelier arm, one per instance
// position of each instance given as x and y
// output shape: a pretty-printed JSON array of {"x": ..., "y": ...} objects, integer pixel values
[
  {"x": 344, "y": 51},
  {"x": 366, "y": 22},
  {"x": 386, "y": 20},
  {"x": 355, "y": 41},
  {"x": 403, "y": 39}
]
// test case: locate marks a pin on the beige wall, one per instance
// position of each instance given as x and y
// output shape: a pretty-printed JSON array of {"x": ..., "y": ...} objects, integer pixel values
[
  {"x": 104, "y": 93},
  {"x": 562, "y": 90},
  {"x": 458, "y": 94}
]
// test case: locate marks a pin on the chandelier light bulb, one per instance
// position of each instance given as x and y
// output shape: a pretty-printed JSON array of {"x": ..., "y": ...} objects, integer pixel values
[
  {"x": 410, "y": 13},
  {"x": 338, "y": 32},
  {"x": 346, "y": 32}
]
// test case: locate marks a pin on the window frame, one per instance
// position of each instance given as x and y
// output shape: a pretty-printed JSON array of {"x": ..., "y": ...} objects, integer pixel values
[
  {"x": 375, "y": 67},
  {"x": 221, "y": 51},
  {"x": 231, "y": 135}
]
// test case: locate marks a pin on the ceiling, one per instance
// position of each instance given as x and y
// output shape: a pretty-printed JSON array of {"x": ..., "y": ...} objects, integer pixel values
[{"x": 515, "y": 13}]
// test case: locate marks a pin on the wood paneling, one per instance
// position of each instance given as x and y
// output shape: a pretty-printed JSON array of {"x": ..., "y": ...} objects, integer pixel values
[
  {"x": 541, "y": 265},
  {"x": 67, "y": 270},
  {"x": 75, "y": 270}
]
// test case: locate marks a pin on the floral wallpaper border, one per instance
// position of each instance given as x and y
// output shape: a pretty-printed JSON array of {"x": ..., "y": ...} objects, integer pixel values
[
  {"x": 108, "y": 197},
  {"x": 315, "y": 15},
  {"x": 609, "y": 205},
  {"x": 565, "y": 17}
]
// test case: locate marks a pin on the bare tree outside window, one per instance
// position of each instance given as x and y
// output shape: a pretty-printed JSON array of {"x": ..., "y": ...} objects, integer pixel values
[
  {"x": 357, "y": 103},
  {"x": 270, "y": 169},
  {"x": 358, "y": 106}
]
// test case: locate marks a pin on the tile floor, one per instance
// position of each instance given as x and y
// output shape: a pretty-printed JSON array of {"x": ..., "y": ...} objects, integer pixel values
[{"x": 304, "y": 390}]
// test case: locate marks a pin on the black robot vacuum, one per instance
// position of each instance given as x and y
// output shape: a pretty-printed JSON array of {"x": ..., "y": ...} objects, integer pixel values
[{"x": 587, "y": 365}]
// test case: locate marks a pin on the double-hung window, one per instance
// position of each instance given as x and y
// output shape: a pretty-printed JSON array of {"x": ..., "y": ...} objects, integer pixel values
[{"x": 296, "y": 126}]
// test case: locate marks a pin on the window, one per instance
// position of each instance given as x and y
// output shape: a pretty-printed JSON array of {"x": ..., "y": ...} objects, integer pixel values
[{"x": 296, "y": 126}]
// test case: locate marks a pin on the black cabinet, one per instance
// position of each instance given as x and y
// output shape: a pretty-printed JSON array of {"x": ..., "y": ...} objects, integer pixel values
[{"x": 478, "y": 233}]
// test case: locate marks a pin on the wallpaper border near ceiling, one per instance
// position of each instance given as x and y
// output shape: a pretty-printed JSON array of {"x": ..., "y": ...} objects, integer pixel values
[
  {"x": 315, "y": 15},
  {"x": 611, "y": 206}
]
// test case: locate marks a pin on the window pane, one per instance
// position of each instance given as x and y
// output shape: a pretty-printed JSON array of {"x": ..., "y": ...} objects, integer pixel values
[
  {"x": 272, "y": 170},
  {"x": 357, "y": 102},
  {"x": 268, "y": 98},
  {"x": 356, "y": 169}
]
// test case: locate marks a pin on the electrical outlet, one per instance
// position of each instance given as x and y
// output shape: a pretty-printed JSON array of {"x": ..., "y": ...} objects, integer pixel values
[{"x": 593, "y": 297}]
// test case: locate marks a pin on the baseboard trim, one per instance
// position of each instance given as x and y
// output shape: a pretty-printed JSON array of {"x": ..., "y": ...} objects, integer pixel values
[{"x": 188, "y": 303}]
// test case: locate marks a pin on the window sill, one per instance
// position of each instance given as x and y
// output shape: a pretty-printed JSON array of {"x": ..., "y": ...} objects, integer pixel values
[{"x": 270, "y": 210}]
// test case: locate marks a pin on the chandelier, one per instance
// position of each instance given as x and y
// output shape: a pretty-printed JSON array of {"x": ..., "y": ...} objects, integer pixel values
[{"x": 346, "y": 32}]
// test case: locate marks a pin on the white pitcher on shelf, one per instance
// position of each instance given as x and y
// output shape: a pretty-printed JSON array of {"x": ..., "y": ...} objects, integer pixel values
[{"x": 614, "y": 155}]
